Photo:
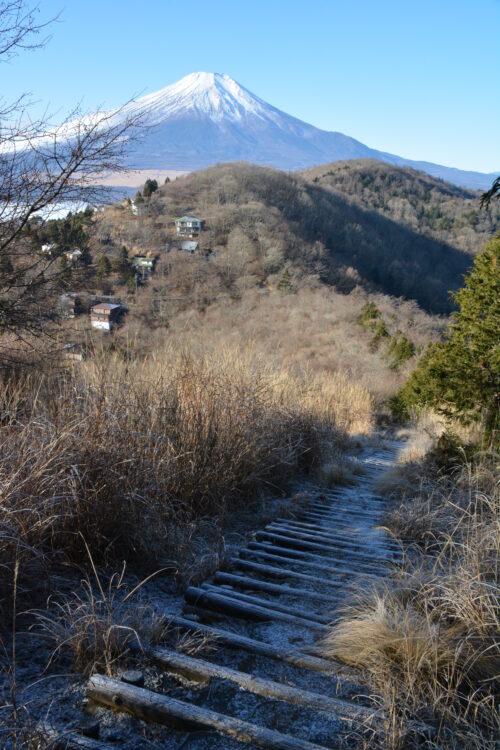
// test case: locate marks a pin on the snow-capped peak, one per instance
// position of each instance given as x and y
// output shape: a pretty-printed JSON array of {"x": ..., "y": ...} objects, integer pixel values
[{"x": 215, "y": 95}]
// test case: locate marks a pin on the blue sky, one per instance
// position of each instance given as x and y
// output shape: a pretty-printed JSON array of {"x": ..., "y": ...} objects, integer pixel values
[{"x": 417, "y": 79}]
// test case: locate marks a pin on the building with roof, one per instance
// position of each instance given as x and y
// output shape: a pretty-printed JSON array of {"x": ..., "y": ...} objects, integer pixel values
[
  {"x": 70, "y": 305},
  {"x": 143, "y": 264},
  {"x": 189, "y": 246},
  {"x": 104, "y": 315},
  {"x": 188, "y": 226},
  {"x": 74, "y": 255}
]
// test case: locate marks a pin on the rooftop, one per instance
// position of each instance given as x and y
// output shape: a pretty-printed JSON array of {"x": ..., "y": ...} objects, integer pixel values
[
  {"x": 188, "y": 218},
  {"x": 104, "y": 307}
]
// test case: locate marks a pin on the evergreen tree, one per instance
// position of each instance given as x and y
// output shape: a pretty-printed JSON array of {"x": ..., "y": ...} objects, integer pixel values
[
  {"x": 461, "y": 377},
  {"x": 103, "y": 268},
  {"x": 285, "y": 283},
  {"x": 150, "y": 187}
]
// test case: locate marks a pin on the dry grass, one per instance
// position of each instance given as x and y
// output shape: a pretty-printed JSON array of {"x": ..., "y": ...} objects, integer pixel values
[
  {"x": 129, "y": 458},
  {"x": 429, "y": 640}
]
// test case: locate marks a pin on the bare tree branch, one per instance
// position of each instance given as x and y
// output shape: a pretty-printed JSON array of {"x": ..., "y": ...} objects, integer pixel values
[{"x": 43, "y": 166}]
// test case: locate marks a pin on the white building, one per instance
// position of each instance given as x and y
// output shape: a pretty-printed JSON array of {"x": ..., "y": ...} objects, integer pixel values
[{"x": 74, "y": 255}]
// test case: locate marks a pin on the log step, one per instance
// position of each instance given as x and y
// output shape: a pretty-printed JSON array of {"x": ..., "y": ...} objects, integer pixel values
[
  {"x": 345, "y": 565},
  {"x": 191, "y": 667},
  {"x": 282, "y": 573},
  {"x": 259, "y": 611},
  {"x": 295, "y": 557},
  {"x": 235, "y": 640},
  {"x": 254, "y": 584},
  {"x": 302, "y": 542},
  {"x": 272, "y": 604},
  {"x": 150, "y": 706},
  {"x": 351, "y": 547},
  {"x": 331, "y": 533}
]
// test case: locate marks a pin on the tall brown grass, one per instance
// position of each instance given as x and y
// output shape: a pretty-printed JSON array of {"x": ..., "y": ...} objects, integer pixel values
[
  {"x": 130, "y": 457},
  {"x": 429, "y": 640}
]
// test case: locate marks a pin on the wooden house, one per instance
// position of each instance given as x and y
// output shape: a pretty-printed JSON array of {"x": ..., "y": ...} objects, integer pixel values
[
  {"x": 188, "y": 226},
  {"x": 104, "y": 315}
]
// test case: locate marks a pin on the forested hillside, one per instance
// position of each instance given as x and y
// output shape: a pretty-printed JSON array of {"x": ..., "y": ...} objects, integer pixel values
[
  {"x": 261, "y": 221},
  {"x": 423, "y": 203}
]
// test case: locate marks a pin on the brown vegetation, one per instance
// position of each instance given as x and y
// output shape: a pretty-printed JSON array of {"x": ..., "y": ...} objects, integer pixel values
[
  {"x": 429, "y": 639},
  {"x": 126, "y": 458},
  {"x": 261, "y": 221}
]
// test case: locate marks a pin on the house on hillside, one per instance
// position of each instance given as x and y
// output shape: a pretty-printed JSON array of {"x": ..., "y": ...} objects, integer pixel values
[
  {"x": 188, "y": 226},
  {"x": 74, "y": 255},
  {"x": 104, "y": 315},
  {"x": 74, "y": 352},
  {"x": 189, "y": 246},
  {"x": 143, "y": 264},
  {"x": 48, "y": 249},
  {"x": 70, "y": 305}
]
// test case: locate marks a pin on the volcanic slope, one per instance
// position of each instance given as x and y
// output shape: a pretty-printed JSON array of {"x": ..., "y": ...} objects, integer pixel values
[{"x": 207, "y": 118}]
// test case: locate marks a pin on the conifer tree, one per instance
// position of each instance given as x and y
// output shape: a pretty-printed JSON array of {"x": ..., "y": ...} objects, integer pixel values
[
  {"x": 461, "y": 377},
  {"x": 285, "y": 283}
]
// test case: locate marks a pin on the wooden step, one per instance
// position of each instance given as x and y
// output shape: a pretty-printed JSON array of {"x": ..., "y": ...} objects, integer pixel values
[
  {"x": 247, "y": 582},
  {"x": 149, "y": 706},
  {"x": 193, "y": 668},
  {"x": 330, "y": 531},
  {"x": 331, "y": 540},
  {"x": 235, "y": 640},
  {"x": 296, "y": 542},
  {"x": 306, "y": 559},
  {"x": 273, "y": 604},
  {"x": 350, "y": 547},
  {"x": 272, "y": 571},
  {"x": 236, "y": 607}
]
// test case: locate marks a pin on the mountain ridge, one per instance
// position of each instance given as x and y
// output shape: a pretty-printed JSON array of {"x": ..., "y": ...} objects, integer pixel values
[{"x": 207, "y": 118}]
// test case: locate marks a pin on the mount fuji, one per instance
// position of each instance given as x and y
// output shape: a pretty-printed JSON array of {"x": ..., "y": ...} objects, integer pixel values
[{"x": 208, "y": 117}]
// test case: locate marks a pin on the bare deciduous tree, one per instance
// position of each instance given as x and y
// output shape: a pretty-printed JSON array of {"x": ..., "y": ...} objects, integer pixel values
[{"x": 43, "y": 167}]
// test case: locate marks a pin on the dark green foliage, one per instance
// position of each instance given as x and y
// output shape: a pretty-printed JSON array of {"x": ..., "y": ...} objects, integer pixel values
[
  {"x": 150, "y": 186},
  {"x": 461, "y": 376},
  {"x": 399, "y": 350},
  {"x": 369, "y": 315},
  {"x": 370, "y": 319},
  {"x": 122, "y": 263},
  {"x": 380, "y": 332},
  {"x": 131, "y": 282},
  {"x": 493, "y": 192},
  {"x": 138, "y": 197},
  {"x": 67, "y": 234},
  {"x": 103, "y": 267},
  {"x": 285, "y": 283}
]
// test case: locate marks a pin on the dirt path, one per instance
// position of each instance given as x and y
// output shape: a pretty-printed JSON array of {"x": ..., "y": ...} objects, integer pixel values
[{"x": 244, "y": 668}]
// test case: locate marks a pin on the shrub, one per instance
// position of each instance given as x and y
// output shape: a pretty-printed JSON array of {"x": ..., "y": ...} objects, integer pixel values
[
  {"x": 369, "y": 315},
  {"x": 127, "y": 457}
]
